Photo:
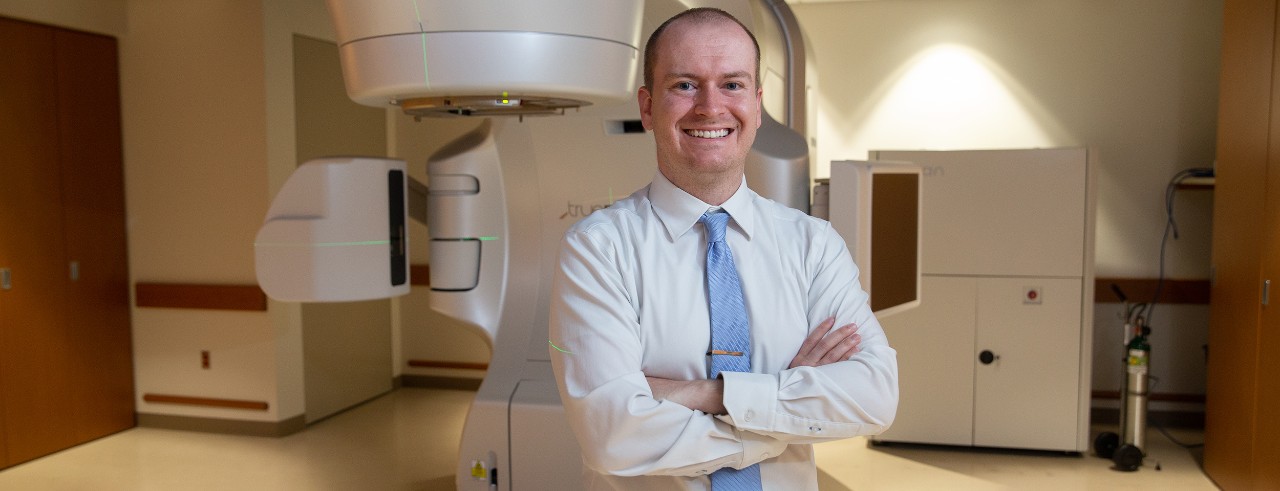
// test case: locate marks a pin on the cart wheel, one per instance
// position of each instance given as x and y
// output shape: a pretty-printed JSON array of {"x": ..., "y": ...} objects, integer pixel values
[
  {"x": 1105, "y": 444},
  {"x": 1127, "y": 458}
]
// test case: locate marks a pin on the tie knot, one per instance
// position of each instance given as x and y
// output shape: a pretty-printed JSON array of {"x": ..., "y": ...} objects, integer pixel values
[{"x": 715, "y": 223}]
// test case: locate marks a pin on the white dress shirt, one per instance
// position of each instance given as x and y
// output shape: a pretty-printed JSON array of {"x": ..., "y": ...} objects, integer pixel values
[{"x": 629, "y": 300}]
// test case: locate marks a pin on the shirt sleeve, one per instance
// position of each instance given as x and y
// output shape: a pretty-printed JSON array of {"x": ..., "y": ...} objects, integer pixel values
[
  {"x": 858, "y": 396},
  {"x": 597, "y": 357}
]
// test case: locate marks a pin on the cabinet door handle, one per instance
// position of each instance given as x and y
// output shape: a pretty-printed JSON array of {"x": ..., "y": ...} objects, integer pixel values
[
  {"x": 1266, "y": 292},
  {"x": 6, "y": 279},
  {"x": 986, "y": 357}
]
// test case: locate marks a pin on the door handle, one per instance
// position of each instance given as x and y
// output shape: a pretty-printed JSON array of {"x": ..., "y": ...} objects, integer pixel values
[{"x": 6, "y": 279}]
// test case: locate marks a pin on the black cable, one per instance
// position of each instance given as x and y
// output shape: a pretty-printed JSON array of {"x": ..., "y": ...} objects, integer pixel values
[
  {"x": 1175, "y": 441},
  {"x": 1148, "y": 311},
  {"x": 1170, "y": 226},
  {"x": 1159, "y": 427}
]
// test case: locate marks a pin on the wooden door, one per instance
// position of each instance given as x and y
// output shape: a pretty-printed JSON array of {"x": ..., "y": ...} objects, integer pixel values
[
  {"x": 89, "y": 147},
  {"x": 1266, "y": 443},
  {"x": 33, "y": 367},
  {"x": 1244, "y": 132}
]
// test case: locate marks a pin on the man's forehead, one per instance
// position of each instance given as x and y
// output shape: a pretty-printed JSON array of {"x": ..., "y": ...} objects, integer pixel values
[
  {"x": 692, "y": 42},
  {"x": 726, "y": 30}
]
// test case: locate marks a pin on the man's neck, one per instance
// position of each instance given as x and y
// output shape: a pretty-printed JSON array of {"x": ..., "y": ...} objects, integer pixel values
[{"x": 712, "y": 190}]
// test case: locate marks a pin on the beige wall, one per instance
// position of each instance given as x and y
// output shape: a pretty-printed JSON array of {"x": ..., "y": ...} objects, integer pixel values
[
  {"x": 195, "y": 139},
  {"x": 196, "y": 182},
  {"x": 1135, "y": 80}
]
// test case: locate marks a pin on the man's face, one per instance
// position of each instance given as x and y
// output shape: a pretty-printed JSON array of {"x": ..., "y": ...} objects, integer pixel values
[{"x": 704, "y": 106}]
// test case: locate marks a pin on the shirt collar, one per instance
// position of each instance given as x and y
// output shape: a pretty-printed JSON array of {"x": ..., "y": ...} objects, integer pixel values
[{"x": 679, "y": 210}]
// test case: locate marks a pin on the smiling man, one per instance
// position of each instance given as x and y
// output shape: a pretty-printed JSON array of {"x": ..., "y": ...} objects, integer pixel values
[{"x": 692, "y": 322}]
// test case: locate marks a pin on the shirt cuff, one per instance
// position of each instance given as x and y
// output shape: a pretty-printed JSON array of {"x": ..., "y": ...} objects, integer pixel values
[{"x": 750, "y": 399}]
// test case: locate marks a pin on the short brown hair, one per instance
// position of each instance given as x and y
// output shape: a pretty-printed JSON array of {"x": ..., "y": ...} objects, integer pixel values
[{"x": 701, "y": 15}]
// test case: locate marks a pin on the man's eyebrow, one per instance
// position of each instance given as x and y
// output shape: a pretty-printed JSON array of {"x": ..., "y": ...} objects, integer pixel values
[{"x": 735, "y": 74}]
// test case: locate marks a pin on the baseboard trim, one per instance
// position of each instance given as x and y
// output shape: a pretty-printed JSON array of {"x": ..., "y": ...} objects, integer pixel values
[
  {"x": 224, "y": 426},
  {"x": 1171, "y": 419},
  {"x": 206, "y": 401},
  {"x": 465, "y": 365},
  {"x": 438, "y": 382}
]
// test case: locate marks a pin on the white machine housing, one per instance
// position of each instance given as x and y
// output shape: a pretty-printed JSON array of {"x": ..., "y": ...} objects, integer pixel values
[
  {"x": 565, "y": 53},
  {"x": 1002, "y": 337},
  {"x": 336, "y": 232}
]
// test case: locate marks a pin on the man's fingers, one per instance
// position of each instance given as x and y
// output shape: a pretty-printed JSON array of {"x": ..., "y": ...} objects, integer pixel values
[
  {"x": 838, "y": 345},
  {"x": 806, "y": 356},
  {"x": 814, "y": 337},
  {"x": 834, "y": 339},
  {"x": 842, "y": 351}
]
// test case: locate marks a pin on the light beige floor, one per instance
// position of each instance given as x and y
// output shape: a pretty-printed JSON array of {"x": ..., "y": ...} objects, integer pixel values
[{"x": 407, "y": 440}]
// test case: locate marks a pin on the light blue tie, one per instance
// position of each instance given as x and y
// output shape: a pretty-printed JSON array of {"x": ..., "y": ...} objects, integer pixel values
[{"x": 730, "y": 333}]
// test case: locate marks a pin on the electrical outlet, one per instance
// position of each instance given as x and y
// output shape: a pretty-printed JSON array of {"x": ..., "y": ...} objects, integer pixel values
[{"x": 204, "y": 359}]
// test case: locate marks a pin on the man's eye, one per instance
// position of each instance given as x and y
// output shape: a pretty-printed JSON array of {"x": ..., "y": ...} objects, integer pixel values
[
  {"x": 733, "y": 85},
  {"x": 684, "y": 85}
]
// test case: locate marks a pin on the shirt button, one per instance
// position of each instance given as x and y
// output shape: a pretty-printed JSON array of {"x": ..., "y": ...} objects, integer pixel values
[{"x": 749, "y": 414}]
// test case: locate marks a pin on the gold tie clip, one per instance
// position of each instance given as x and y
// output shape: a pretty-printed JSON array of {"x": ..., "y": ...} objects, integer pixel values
[{"x": 723, "y": 352}]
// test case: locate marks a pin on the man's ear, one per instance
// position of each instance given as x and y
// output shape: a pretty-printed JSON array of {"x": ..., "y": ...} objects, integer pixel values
[{"x": 645, "y": 100}]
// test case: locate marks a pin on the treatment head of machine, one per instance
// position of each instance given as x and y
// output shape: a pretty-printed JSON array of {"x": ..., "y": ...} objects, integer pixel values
[{"x": 488, "y": 57}]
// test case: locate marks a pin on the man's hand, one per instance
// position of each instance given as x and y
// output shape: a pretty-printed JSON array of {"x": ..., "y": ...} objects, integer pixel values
[
  {"x": 704, "y": 395},
  {"x": 818, "y": 350}
]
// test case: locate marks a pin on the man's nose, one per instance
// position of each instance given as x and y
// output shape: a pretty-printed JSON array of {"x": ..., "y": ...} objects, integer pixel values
[{"x": 709, "y": 103}]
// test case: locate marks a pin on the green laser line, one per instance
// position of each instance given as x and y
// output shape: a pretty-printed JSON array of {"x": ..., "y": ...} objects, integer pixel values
[
  {"x": 553, "y": 345},
  {"x": 425, "y": 78}
]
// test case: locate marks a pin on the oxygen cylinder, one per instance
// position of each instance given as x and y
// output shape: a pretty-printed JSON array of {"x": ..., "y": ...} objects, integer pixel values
[{"x": 1134, "y": 425}]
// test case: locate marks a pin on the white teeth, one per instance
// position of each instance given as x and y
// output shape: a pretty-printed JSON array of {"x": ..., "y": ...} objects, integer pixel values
[{"x": 721, "y": 133}]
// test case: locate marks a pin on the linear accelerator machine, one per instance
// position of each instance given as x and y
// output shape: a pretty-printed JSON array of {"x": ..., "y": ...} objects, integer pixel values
[{"x": 501, "y": 197}]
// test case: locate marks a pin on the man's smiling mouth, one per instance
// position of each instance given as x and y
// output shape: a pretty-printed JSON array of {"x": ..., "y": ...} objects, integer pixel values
[{"x": 720, "y": 133}]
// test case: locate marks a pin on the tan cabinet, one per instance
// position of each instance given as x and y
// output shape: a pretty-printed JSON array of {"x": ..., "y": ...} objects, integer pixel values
[
  {"x": 66, "y": 372},
  {"x": 1242, "y": 432}
]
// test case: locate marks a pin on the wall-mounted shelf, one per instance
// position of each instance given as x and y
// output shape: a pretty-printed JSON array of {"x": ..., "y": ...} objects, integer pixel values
[{"x": 1197, "y": 183}]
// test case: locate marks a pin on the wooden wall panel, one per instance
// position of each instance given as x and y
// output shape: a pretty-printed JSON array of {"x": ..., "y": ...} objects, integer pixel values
[
  {"x": 1244, "y": 119},
  {"x": 1266, "y": 434},
  {"x": 33, "y": 366},
  {"x": 205, "y": 297},
  {"x": 92, "y": 165},
  {"x": 66, "y": 372}
]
